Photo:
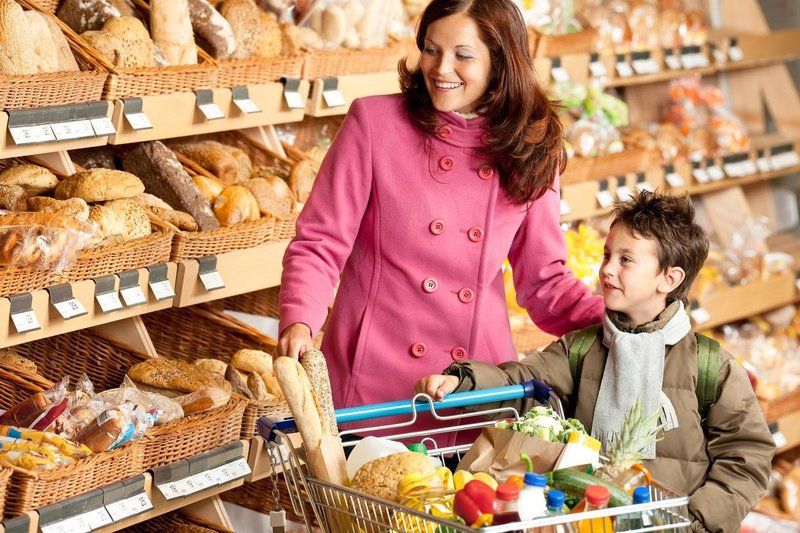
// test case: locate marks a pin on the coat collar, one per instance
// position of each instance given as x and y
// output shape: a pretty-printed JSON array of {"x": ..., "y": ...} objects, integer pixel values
[
  {"x": 621, "y": 321},
  {"x": 458, "y": 131}
]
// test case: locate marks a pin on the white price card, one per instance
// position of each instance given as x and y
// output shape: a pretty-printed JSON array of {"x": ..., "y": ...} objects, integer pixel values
[
  {"x": 785, "y": 160},
  {"x": 138, "y": 121},
  {"x": 673, "y": 62},
  {"x": 780, "y": 439},
  {"x": 211, "y": 111},
  {"x": 333, "y": 98},
  {"x": 171, "y": 490},
  {"x": 25, "y": 321},
  {"x": 735, "y": 53},
  {"x": 212, "y": 280},
  {"x": 675, "y": 180},
  {"x": 699, "y": 315},
  {"x": 246, "y": 105},
  {"x": 700, "y": 175},
  {"x": 65, "y": 526},
  {"x": 764, "y": 164},
  {"x": 646, "y": 66},
  {"x": 294, "y": 100},
  {"x": 733, "y": 170},
  {"x": 203, "y": 480},
  {"x": 719, "y": 55},
  {"x": 70, "y": 308},
  {"x": 565, "y": 208},
  {"x": 748, "y": 167},
  {"x": 98, "y": 518},
  {"x": 128, "y": 507},
  {"x": 187, "y": 486},
  {"x": 77, "y": 129},
  {"x": 715, "y": 173},
  {"x": 231, "y": 471},
  {"x": 797, "y": 283},
  {"x": 644, "y": 186},
  {"x": 133, "y": 296},
  {"x": 32, "y": 134},
  {"x": 162, "y": 290},
  {"x": 109, "y": 301},
  {"x": 103, "y": 126},
  {"x": 624, "y": 193},
  {"x": 560, "y": 74},
  {"x": 624, "y": 69},
  {"x": 605, "y": 199},
  {"x": 597, "y": 69}
]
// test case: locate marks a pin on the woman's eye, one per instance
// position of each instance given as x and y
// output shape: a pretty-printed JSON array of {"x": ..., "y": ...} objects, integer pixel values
[
  {"x": 429, "y": 51},
  {"x": 463, "y": 57}
]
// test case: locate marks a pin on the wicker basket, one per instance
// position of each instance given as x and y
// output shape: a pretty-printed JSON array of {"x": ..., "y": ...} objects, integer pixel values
[
  {"x": 14, "y": 280},
  {"x": 55, "y": 88},
  {"x": 194, "y": 244},
  {"x": 235, "y": 73},
  {"x": 343, "y": 61},
  {"x": 542, "y": 45},
  {"x": 16, "y": 385},
  {"x": 5, "y": 476},
  {"x": 201, "y": 332},
  {"x": 781, "y": 406}
]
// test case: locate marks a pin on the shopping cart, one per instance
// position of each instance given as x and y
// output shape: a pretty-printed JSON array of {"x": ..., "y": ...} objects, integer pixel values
[{"x": 338, "y": 509}]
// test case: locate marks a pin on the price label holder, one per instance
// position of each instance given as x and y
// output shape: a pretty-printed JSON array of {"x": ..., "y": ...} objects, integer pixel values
[
  {"x": 693, "y": 57},
  {"x": 596, "y": 67},
  {"x": 105, "y": 293},
  {"x": 673, "y": 62},
  {"x": 714, "y": 171},
  {"x": 624, "y": 68},
  {"x": 718, "y": 55},
  {"x": 126, "y": 498},
  {"x": 159, "y": 284},
  {"x": 698, "y": 313},
  {"x": 643, "y": 63},
  {"x": 64, "y": 302},
  {"x": 699, "y": 173},
  {"x": 763, "y": 162},
  {"x": 734, "y": 51},
  {"x": 134, "y": 114},
  {"x": 169, "y": 479},
  {"x": 291, "y": 93},
  {"x": 738, "y": 165},
  {"x": 100, "y": 122},
  {"x": 331, "y": 94},
  {"x": 130, "y": 290},
  {"x": 558, "y": 72},
  {"x": 204, "y": 100},
  {"x": 209, "y": 276},
  {"x": 784, "y": 156},
  {"x": 22, "y": 314},
  {"x": 674, "y": 179},
  {"x": 80, "y": 514},
  {"x": 623, "y": 191},
  {"x": 642, "y": 184},
  {"x": 604, "y": 196},
  {"x": 19, "y": 524},
  {"x": 241, "y": 99},
  {"x": 223, "y": 464},
  {"x": 30, "y": 126},
  {"x": 777, "y": 435}
]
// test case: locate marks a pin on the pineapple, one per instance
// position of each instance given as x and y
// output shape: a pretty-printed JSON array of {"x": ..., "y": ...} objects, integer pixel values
[{"x": 624, "y": 454}]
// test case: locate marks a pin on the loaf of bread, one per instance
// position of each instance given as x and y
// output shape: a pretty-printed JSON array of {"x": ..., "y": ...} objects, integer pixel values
[
  {"x": 273, "y": 196},
  {"x": 244, "y": 164},
  {"x": 26, "y": 412},
  {"x": 10, "y": 358},
  {"x": 13, "y": 198},
  {"x": 301, "y": 180},
  {"x": 313, "y": 361},
  {"x": 209, "y": 364},
  {"x": 212, "y": 156},
  {"x": 174, "y": 378},
  {"x": 255, "y": 384},
  {"x": 101, "y": 434},
  {"x": 66, "y": 61},
  {"x": 74, "y": 207},
  {"x": 44, "y": 47},
  {"x": 212, "y": 31},
  {"x": 52, "y": 220},
  {"x": 99, "y": 185},
  {"x": 238, "y": 384},
  {"x": 96, "y": 157},
  {"x": 210, "y": 187},
  {"x": 163, "y": 176},
  {"x": 17, "y": 53},
  {"x": 179, "y": 219},
  {"x": 301, "y": 400},
  {"x": 257, "y": 33},
  {"x": 380, "y": 477},
  {"x": 291, "y": 40},
  {"x": 171, "y": 30},
  {"x": 261, "y": 363},
  {"x": 134, "y": 217},
  {"x": 109, "y": 45},
  {"x": 135, "y": 41},
  {"x": 203, "y": 400},
  {"x": 235, "y": 205},
  {"x": 34, "y": 179},
  {"x": 85, "y": 15}
]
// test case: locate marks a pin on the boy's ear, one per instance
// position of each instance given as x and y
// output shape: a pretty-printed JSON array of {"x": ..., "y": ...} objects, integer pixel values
[{"x": 673, "y": 277}]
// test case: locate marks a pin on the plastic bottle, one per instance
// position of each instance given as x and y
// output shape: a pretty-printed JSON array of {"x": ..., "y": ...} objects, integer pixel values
[
  {"x": 640, "y": 519},
  {"x": 555, "y": 507},
  {"x": 597, "y": 497},
  {"x": 506, "y": 505},
  {"x": 531, "y": 496}
]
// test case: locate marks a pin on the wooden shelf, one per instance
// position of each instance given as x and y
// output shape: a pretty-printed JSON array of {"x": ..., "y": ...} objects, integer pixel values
[{"x": 350, "y": 88}]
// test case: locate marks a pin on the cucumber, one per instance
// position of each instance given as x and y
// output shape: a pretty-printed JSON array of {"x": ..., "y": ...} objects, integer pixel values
[{"x": 574, "y": 482}]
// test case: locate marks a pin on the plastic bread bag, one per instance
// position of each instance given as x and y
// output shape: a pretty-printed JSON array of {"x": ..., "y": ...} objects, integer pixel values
[
  {"x": 110, "y": 428},
  {"x": 644, "y": 19},
  {"x": 159, "y": 407},
  {"x": 33, "y": 408},
  {"x": 64, "y": 446},
  {"x": 353, "y": 24}
]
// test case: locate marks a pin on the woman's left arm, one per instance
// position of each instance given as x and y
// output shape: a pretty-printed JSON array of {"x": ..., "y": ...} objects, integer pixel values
[{"x": 556, "y": 300}]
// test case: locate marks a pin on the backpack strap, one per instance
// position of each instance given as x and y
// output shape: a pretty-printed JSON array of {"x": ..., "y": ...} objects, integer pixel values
[
  {"x": 580, "y": 347},
  {"x": 708, "y": 364}
]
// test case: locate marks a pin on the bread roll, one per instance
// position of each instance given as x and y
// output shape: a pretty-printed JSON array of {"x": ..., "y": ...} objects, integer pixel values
[
  {"x": 173, "y": 375},
  {"x": 211, "y": 365},
  {"x": 257, "y": 33},
  {"x": 134, "y": 217},
  {"x": 179, "y": 219},
  {"x": 34, "y": 179},
  {"x": 135, "y": 41},
  {"x": 203, "y": 400},
  {"x": 257, "y": 387},
  {"x": 66, "y": 61},
  {"x": 210, "y": 187},
  {"x": 273, "y": 196},
  {"x": 13, "y": 198},
  {"x": 291, "y": 39},
  {"x": 17, "y": 51},
  {"x": 244, "y": 164},
  {"x": 313, "y": 361},
  {"x": 85, "y": 15},
  {"x": 212, "y": 31},
  {"x": 235, "y": 205},
  {"x": 101, "y": 434},
  {"x": 212, "y": 156},
  {"x": 380, "y": 477},
  {"x": 151, "y": 200},
  {"x": 301, "y": 180},
  {"x": 99, "y": 184},
  {"x": 171, "y": 30},
  {"x": 109, "y": 45},
  {"x": 44, "y": 47},
  {"x": 74, "y": 207},
  {"x": 238, "y": 384},
  {"x": 301, "y": 400},
  {"x": 9, "y": 357},
  {"x": 261, "y": 363}
]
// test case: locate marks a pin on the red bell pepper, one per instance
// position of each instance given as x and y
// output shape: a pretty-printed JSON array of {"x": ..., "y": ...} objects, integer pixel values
[{"x": 474, "y": 500}]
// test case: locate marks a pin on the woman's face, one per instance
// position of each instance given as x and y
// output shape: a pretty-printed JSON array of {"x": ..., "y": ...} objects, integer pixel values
[{"x": 455, "y": 63}]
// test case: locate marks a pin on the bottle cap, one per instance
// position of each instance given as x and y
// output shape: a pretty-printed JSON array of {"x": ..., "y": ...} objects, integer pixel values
[
  {"x": 536, "y": 480},
  {"x": 507, "y": 492},
  {"x": 641, "y": 495},
  {"x": 555, "y": 500},
  {"x": 597, "y": 495},
  {"x": 418, "y": 447}
]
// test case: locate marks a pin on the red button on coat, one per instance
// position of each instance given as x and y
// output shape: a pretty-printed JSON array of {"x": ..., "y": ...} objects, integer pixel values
[
  {"x": 418, "y": 349},
  {"x": 436, "y": 227},
  {"x": 466, "y": 295},
  {"x": 447, "y": 162},
  {"x": 445, "y": 131},
  {"x": 430, "y": 285},
  {"x": 458, "y": 353},
  {"x": 475, "y": 234},
  {"x": 485, "y": 172}
]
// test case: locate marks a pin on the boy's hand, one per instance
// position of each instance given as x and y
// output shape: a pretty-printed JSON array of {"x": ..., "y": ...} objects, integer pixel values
[{"x": 437, "y": 386}]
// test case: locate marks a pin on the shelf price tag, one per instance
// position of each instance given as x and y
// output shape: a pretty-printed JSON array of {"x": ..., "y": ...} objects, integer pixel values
[
  {"x": 41, "y": 133},
  {"x": 698, "y": 313},
  {"x": 130, "y": 290},
  {"x": 205, "y": 103},
  {"x": 134, "y": 114},
  {"x": 291, "y": 93},
  {"x": 623, "y": 191},
  {"x": 714, "y": 172},
  {"x": 159, "y": 284},
  {"x": 557, "y": 72},
  {"x": 763, "y": 163},
  {"x": 67, "y": 305},
  {"x": 623, "y": 67},
  {"x": 718, "y": 55},
  {"x": 777, "y": 435},
  {"x": 231, "y": 471},
  {"x": 98, "y": 518},
  {"x": 642, "y": 184},
  {"x": 105, "y": 293},
  {"x": 331, "y": 94},
  {"x": 699, "y": 173},
  {"x": 209, "y": 276},
  {"x": 693, "y": 57},
  {"x": 132, "y": 506},
  {"x": 596, "y": 67},
  {"x": 784, "y": 157},
  {"x": 78, "y": 129},
  {"x": 734, "y": 52},
  {"x": 171, "y": 489},
  {"x": 739, "y": 165},
  {"x": 241, "y": 98},
  {"x": 22, "y": 314},
  {"x": 103, "y": 126},
  {"x": 604, "y": 196},
  {"x": 674, "y": 179},
  {"x": 672, "y": 61},
  {"x": 643, "y": 63}
]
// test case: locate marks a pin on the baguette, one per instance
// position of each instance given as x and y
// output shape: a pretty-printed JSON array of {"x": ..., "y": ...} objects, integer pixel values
[
  {"x": 301, "y": 400},
  {"x": 316, "y": 368},
  {"x": 203, "y": 400}
]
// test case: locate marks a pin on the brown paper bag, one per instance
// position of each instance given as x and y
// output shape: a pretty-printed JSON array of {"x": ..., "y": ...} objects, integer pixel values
[
  {"x": 496, "y": 451},
  {"x": 328, "y": 462}
]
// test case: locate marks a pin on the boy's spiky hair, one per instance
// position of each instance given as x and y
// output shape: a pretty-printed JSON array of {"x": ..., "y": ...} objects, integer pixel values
[{"x": 669, "y": 221}]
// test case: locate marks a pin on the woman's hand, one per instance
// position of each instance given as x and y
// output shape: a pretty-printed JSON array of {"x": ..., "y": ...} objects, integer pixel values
[
  {"x": 437, "y": 386},
  {"x": 295, "y": 341}
]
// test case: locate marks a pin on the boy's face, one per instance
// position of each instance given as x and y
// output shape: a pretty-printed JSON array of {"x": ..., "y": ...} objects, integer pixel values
[{"x": 630, "y": 278}]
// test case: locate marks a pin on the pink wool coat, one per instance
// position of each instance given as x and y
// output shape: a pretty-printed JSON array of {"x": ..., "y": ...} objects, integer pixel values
[{"x": 418, "y": 227}]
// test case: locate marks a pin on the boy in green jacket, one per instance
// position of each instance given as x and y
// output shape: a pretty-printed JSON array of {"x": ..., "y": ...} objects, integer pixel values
[{"x": 647, "y": 350}]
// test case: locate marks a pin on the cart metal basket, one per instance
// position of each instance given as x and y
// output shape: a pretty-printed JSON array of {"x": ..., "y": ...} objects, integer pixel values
[{"x": 338, "y": 509}]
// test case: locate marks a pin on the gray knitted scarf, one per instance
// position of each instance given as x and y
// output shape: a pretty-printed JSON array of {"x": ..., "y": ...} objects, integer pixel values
[{"x": 635, "y": 369}]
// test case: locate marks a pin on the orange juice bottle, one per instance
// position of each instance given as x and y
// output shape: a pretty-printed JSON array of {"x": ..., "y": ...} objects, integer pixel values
[{"x": 597, "y": 497}]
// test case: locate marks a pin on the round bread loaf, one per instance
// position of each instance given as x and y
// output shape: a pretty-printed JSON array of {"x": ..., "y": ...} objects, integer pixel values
[
  {"x": 273, "y": 196},
  {"x": 85, "y": 15},
  {"x": 109, "y": 45},
  {"x": 135, "y": 41},
  {"x": 13, "y": 198},
  {"x": 212, "y": 31},
  {"x": 34, "y": 179},
  {"x": 244, "y": 165},
  {"x": 11, "y": 358},
  {"x": 75, "y": 207},
  {"x": 135, "y": 219},
  {"x": 380, "y": 476},
  {"x": 235, "y": 205},
  {"x": 99, "y": 185}
]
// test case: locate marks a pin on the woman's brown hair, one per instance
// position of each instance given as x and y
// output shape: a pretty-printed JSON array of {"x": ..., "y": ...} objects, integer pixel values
[{"x": 523, "y": 125}]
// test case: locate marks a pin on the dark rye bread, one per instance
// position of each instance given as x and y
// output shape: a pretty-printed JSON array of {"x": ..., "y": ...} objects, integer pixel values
[{"x": 163, "y": 176}]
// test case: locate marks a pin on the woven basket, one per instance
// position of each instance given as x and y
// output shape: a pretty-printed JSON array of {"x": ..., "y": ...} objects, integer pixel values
[
  {"x": 55, "y": 88},
  {"x": 14, "y": 280},
  {"x": 235, "y": 73},
  {"x": 16, "y": 385},
  {"x": 5, "y": 476},
  {"x": 342, "y": 61},
  {"x": 781, "y": 406},
  {"x": 194, "y": 244},
  {"x": 200, "y": 332},
  {"x": 542, "y": 45}
]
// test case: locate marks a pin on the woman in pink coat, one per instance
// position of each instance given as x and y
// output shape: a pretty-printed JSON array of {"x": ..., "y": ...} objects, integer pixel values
[{"x": 420, "y": 199}]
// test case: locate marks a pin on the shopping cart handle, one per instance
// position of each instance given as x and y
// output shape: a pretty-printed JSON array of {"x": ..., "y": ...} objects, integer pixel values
[{"x": 532, "y": 389}]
